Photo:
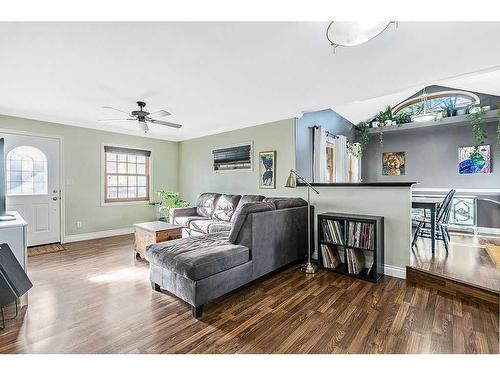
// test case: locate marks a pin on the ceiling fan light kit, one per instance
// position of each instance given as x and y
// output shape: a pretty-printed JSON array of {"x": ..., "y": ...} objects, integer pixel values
[
  {"x": 349, "y": 34},
  {"x": 144, "y": 117}
]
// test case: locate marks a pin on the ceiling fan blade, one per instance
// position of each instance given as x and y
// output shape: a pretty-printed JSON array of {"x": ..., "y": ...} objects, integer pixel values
[
  {"x": 159, "y": 122},
  {"x": 160, "y": 113},
  {"x": 117, "y": 119},
  {"x": 116, "y": 109}
]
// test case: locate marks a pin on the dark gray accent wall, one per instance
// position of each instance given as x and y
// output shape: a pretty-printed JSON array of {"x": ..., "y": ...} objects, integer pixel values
[
  {"x": 431, "y": 157},
  {"x": 327, "y": 118}
]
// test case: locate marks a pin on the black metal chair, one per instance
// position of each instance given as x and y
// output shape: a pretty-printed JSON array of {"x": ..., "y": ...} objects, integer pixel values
[{"x": 442, "y": 221}]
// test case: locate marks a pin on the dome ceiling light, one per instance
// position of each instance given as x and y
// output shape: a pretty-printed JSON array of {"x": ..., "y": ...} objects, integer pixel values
[{"x": 349, "y": 34}]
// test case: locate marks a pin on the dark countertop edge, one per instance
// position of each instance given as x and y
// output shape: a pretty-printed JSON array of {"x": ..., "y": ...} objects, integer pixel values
[{"x": 360, "y": 184}]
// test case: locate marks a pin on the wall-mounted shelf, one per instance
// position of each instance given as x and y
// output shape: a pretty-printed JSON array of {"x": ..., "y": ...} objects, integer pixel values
[{"x": 489, "y": 117}]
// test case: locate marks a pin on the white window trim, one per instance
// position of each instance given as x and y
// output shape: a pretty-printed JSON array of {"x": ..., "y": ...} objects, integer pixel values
[{"x": 103, "y": 180}]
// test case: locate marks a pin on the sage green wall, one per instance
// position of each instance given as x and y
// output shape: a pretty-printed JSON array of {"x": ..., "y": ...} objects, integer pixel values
[
  {"x": 82, "y": 170},
  {"x": 196, "y": 176},
  {"x": 196, "y": 169}
]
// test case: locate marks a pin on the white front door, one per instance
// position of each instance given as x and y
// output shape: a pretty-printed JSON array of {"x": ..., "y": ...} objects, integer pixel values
[{"x": 33, "y": 184}]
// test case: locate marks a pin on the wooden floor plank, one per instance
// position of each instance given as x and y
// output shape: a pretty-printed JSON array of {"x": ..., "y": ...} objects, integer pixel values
[{"x": 95, "y": 297}]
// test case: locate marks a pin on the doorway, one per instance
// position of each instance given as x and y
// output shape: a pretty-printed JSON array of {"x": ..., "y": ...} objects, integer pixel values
[{"x": 33, "y": 177}]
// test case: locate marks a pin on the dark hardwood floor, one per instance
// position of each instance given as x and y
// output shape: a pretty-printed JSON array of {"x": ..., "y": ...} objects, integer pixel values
[
  {"x": 467, "y": 260},
  {"x": 95, "y": 297}
]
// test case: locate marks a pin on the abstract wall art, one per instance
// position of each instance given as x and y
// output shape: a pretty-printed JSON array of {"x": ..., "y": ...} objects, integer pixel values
[
  {"x": 267, "y": 170},
  {"x": 474, "y": 159}
]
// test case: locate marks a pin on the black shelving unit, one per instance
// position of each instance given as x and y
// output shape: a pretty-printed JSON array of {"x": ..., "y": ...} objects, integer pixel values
[{"x": 371, "y": 246}]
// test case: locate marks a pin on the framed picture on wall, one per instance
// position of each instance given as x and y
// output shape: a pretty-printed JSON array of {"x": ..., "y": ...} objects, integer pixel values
[
  {"x": 267, "y": 170},
  {"x": 474, "y": 159},
  {"x": 393, "y": 163}
]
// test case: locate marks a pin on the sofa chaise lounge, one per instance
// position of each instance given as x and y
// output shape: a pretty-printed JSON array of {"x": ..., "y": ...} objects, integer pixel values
[{"x": 261, "y": 235}]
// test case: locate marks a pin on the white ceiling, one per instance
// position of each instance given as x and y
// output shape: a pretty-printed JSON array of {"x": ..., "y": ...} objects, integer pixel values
[{"x": 217, "y": 76}]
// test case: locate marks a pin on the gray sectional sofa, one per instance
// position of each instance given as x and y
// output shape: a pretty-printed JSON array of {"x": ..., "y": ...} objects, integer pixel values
[
  {"x": 212, "y": 214},
  {"x": 231, "y": 241}
]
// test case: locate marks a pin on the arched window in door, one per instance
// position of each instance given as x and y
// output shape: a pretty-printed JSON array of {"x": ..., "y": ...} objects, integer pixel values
[{"x": 26, "y": 171}]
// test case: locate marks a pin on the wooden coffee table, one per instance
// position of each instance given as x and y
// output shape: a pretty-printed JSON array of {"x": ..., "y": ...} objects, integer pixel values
[{"x": 153, "y": 232}]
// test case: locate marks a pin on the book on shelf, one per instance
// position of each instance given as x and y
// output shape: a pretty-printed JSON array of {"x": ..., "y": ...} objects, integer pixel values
[
  {"x": 355, "y": 261},
  {"x": 361, "y": 235},
  {"x": 332, "y": 231},
  {"x": 331, "y": 258}
]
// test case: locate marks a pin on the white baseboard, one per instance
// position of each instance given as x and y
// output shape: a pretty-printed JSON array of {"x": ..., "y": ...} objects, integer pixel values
[
  {"x": 95, "y": 235},
  {"x": 399, "y": 272},
  {"x": 483, "y": 230}
]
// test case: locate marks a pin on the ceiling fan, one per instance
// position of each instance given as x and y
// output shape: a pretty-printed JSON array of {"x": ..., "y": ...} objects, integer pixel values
[{"x": 144, "y": 117}]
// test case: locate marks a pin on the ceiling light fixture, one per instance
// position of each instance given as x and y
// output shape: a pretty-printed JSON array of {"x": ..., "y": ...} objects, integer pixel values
[{"x": 349, "y": 34}]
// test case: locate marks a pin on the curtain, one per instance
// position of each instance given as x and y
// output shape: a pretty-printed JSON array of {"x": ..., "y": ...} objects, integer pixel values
[
  {"x": 354, "y": 166},
  {"x": 319, "y": 160},
  {"x": 341, "y": 162}
]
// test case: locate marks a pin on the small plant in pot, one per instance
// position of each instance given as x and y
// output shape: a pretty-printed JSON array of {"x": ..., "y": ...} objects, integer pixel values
[
  {"x": 385, "y": 118},
  {"x": 403, "y": 118},
  {"x": 169, "y": 200},
  {"x": 449, "y": 106}
]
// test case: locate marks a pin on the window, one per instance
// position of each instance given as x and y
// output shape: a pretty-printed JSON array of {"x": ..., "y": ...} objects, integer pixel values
[
  {"x": 126, "y": 174},
  {"x": 438, "y": 101},
  {"x": 26, "y": 171},
  {"x": 232, "y": 158}
]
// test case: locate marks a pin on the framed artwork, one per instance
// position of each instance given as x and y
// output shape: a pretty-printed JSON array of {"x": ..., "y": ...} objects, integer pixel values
[
  {"x": 393, "y": 163},
  {"x": 267, "y": 170},
  {"x": 474, "y": 159}
]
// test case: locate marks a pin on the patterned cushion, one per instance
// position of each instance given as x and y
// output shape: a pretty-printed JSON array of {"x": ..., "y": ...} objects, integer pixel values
[
  {"x": 206, "y": 204},
  {"x": 184, "y": 221},
  {"x": 219, "y": 226},
  {"x": 198, "y": 257},
  {"x": 210, "y": 226},
  {"x": 225, "y": 207}
]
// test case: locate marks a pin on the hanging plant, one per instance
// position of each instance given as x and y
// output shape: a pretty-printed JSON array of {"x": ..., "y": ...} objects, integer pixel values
[
  {"x": 498, "y": 126},
  {"x": 364, "y": 138},
  {"x": 476, "y": 115}
]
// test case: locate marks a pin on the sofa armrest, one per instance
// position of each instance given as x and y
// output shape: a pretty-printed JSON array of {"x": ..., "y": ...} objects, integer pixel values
[{"x": 184, "y": 211}]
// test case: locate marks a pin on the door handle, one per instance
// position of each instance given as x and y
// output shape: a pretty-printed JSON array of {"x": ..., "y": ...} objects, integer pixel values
[{"x": 54, "y": 198}]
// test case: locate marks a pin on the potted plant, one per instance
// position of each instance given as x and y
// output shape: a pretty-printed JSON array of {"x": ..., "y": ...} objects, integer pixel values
[
  {"x": 169, "y": 200},
  {"x": 357, "y": 149},
  {"x": 449, "y": 106},
  {"x": 403, "y": 118}
]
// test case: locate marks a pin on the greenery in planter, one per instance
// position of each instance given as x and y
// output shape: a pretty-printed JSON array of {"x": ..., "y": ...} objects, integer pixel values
[
  {"x": 170, "y": 200},
  {"x": 385, "y": 115},
  {"x": 403, "y": 118},
  {"x": 475, "y": 116},
  {"x": 449, "y": 106},
  {"x": 364, "y": 138},
  {"x": 498, "y": 126}
]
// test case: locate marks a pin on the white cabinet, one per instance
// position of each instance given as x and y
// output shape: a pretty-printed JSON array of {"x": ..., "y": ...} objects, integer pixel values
[{"x": 13, "y": 233}]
